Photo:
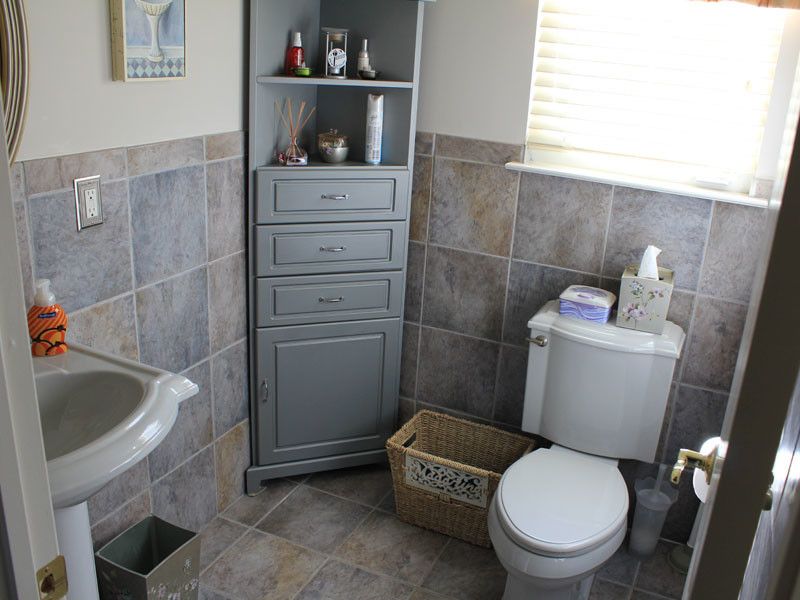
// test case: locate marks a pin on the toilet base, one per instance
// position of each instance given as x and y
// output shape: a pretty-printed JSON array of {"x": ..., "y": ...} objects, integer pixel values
[{"x": 519, "y": 589}]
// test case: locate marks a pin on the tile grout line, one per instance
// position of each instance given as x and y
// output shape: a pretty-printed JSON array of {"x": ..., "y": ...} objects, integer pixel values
[
  {"x": 434, "y": 563},
  {"x": 605, "y": 234},
  {"x": 133, "y": 273},
  {"x": 500, "y": 352},
  {"x": 424, "y": 273}
]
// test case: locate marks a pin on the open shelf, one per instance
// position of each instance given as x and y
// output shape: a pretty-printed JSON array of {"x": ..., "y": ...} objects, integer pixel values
[
  {"x": 315, "y": 162},
  {"x": 366, "y": 83}
]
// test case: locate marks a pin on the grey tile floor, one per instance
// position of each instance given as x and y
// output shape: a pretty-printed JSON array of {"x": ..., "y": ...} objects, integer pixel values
[{"x": 335, "y": 536}]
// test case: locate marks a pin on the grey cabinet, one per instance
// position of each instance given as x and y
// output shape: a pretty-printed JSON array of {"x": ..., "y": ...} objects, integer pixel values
[
  {"x": 325, "y": 389},
  {"x": 327, "y": 242}
]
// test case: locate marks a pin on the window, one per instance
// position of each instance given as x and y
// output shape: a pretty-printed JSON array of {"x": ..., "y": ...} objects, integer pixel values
[{"x": 675, "y": 91}]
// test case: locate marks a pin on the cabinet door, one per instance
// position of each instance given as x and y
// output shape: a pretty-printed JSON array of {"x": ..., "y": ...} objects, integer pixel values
[{"x": 325, "y": 389}]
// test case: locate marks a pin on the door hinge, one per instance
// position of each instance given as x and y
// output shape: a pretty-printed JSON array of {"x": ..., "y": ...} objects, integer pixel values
[{"x": 51, "y": 580}]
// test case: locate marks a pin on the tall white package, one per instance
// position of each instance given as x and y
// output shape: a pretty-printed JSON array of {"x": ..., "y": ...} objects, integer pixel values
[{"x": 374, "y": 128}]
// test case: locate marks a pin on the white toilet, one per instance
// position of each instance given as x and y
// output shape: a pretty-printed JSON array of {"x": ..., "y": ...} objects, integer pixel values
[{"x": 598, "y": 392}]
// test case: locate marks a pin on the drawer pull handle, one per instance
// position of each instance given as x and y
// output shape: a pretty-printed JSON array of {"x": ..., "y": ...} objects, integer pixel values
[
  {"x": 339, "y": 299},
  {"x": 335, "y": 197},
  {"x": 338, "y": 249},
  {"x": 265, "y": 390}
]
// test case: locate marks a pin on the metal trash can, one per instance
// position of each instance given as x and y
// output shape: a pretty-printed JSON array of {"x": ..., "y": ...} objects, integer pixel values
[{"x": 153, "y": 560}]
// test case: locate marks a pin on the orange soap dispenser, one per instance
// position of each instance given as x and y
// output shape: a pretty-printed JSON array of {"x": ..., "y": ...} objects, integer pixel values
[{"x": 47, "y": 322}]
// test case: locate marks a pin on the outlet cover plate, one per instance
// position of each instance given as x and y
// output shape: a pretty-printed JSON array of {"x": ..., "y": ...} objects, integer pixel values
[{"x": 88, "y": 188}]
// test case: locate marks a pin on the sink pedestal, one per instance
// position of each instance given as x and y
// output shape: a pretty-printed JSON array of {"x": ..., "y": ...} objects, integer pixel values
[{"x": 75, "y": 543}]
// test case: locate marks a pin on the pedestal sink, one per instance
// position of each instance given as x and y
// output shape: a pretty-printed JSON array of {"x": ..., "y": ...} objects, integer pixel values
[{"x": 100, "y": 415}]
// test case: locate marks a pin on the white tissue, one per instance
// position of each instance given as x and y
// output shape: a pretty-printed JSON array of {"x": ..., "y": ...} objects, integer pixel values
[{"x": 648, "y": 268}]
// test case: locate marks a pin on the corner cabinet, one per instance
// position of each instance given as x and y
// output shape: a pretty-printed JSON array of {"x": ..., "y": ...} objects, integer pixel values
[{"x": 328, "y": 242}]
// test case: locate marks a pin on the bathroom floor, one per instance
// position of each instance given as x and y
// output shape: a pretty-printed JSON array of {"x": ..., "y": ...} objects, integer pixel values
[{"x": 334, "y": 536}]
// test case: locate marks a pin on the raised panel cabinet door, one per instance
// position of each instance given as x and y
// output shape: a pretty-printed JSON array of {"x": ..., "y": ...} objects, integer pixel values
[{"x": 325, "y": 389}]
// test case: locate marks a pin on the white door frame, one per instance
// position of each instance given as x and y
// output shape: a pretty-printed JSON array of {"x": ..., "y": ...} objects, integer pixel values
[
  {"x": 24, "y": 486},
  {"x": 763, "y": 385}
]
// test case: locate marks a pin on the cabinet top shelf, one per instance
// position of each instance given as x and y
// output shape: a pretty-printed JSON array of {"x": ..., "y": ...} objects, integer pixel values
[{"x": 367, "y": 83}]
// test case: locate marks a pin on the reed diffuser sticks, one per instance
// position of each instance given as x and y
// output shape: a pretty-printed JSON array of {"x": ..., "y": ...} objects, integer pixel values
[{"x": 294, "y": 155}]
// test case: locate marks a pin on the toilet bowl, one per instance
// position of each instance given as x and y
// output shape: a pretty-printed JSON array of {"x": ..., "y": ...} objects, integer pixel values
[{"x": 556, "y": 517}]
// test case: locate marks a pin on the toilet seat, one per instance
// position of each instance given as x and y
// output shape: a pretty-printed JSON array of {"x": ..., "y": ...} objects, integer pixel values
[{"x": 561, "y": 503}]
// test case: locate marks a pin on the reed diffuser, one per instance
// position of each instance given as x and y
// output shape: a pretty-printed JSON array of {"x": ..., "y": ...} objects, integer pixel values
[{"x": 294, "y": 155}]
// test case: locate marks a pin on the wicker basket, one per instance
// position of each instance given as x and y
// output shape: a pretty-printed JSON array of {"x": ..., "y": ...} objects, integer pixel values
[{"x": 446, "y": 470}]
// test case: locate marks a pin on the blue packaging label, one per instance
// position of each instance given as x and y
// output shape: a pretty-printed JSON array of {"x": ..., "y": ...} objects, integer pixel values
[{"x": 49, "y": 315}]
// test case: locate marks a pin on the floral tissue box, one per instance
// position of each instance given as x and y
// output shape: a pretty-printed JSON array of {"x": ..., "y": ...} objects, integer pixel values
[{"x": 643, "y": 303}]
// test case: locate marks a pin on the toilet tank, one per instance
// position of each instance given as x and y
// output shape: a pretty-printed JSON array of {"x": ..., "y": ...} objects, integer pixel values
[{"x": 598, "y": 388}]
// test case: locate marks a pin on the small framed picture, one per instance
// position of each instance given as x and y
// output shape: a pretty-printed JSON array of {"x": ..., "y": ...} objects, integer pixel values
[{"x": 148, "y": 39}]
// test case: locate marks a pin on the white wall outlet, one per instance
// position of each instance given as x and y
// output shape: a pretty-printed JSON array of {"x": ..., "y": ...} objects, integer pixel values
[{"x": 88, "y": 203}]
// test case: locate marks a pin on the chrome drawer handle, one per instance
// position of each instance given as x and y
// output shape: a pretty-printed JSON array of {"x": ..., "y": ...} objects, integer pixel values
[
  {"x": 539, "y": 340},
  {"x": 339, "y": 299},
  {"x": 339, "y": 249},
  {"x": 335, "y": 197}
]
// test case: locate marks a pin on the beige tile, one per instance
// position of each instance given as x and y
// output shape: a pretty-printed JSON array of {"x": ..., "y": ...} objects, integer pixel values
[
  {"x": 164, "y": 156},
  {"x": 216, "y": 537},
  {"x": 231, "y": 387},
  {"x": 423, "y": 143},
  {"x": 130, "y": 514},
  {"x": 108, "y": 327},
  {"x": 655, "y": 575},
  {"x": 262, "y": 567},
  {"x": 314, "y": 519},
  {"x": 18, "y": 182},
  {"x": 562, "y": 222},
  {"x": 232, "y": 452},
  {"x": 472, "y": 206},
  {"x": 387, "y": 545},
  {"x": 187, "y": 496},
  {"x": 420, "y": 198},
  {"x": 366, "y": 485},
  {"x": 338, "y": 581},
  {"x": 415, "y": 273},
  {"x": 227, "y": 301},
  {"x": 495, "y": 153},
  {"x": 24, "y": 247},
  {"x": 408, "y": 361},
  {"x": 465, "y": 292},
  {"x": 225, "y": 145},
  {"x": 226, "y": 192},
  {"x": 467, "y": 572},
  {"x": 50, "y": 174},
  {"x": 118, "y": 491},
  {"x": 249, "y": 510}
]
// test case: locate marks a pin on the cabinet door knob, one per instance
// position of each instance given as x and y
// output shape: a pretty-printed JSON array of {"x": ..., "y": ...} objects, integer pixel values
[
  {"x": 265, "y": 389},
  {"x": 335, "y": 196},
  {"x": 328, "y": 249},
  {"x": 339, "y": 299}
]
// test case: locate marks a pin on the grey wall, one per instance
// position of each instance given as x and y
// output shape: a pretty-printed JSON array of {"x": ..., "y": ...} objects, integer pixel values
[
  {"x": 161, "y": 281},
  {"x": 490, "y": 246}
]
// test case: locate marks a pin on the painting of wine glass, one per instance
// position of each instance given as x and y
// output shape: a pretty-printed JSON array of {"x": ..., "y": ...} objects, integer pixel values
[{"x": 148, "y": 39}]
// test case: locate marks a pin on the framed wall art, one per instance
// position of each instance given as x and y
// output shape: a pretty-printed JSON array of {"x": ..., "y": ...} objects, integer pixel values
[{"x": 148, "y": 39}]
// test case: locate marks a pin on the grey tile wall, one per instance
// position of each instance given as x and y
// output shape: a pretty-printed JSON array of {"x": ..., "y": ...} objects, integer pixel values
[
  {"x": 161, "y": 281},
  {"x": 489, "y": 247}
]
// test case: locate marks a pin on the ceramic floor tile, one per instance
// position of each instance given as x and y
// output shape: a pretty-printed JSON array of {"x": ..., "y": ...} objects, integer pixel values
[
  {"x": 607, "y": 590},
  {"x": 388, "y": 503},
  {"x": 314, "y": 519},
  {"x": 467, "y": 572},
  {"x": 262, "y": 567},
  {"x": 217, "y": 537},
  {"x": 621, "y": 567},
  {"x": 427, "y": 595},
  {"x": 249, "y": 510},
  {"x": 338, "y": 581},
  {"x": 367, "y": 485},
  {"x": 385, "y": 544},
  {"x": 208, "y": 594},
  {"x": 656, "y": 576}
]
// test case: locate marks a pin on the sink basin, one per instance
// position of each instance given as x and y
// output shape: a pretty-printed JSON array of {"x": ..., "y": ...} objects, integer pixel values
[{"x": 101, "y": 415}]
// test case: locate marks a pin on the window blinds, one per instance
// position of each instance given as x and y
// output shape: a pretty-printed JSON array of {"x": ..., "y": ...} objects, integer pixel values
[{"x": 667, "y": 89}]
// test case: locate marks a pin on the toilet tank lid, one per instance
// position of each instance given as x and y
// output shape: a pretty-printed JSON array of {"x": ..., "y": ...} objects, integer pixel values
[{"x": 607, "y": 335}]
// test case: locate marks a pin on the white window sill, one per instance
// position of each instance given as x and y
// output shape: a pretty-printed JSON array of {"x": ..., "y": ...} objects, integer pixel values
[{"x": 640, "y": 183}]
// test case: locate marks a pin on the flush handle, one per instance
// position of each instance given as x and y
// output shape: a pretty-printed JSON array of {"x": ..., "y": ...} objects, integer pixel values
[
  {"x": 539, "y": 340},
  {"x": 694, "y": 460}
]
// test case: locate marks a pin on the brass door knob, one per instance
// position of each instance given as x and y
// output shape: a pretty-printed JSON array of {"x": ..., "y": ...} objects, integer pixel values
[{"x": 693, "y": 459}]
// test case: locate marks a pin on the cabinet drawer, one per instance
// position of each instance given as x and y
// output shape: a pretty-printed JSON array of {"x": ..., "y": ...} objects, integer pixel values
[
  {"x": 310, "y": 249},
  {"x": 326, "y": 298},
  {"x": 369, "y": 196}
]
